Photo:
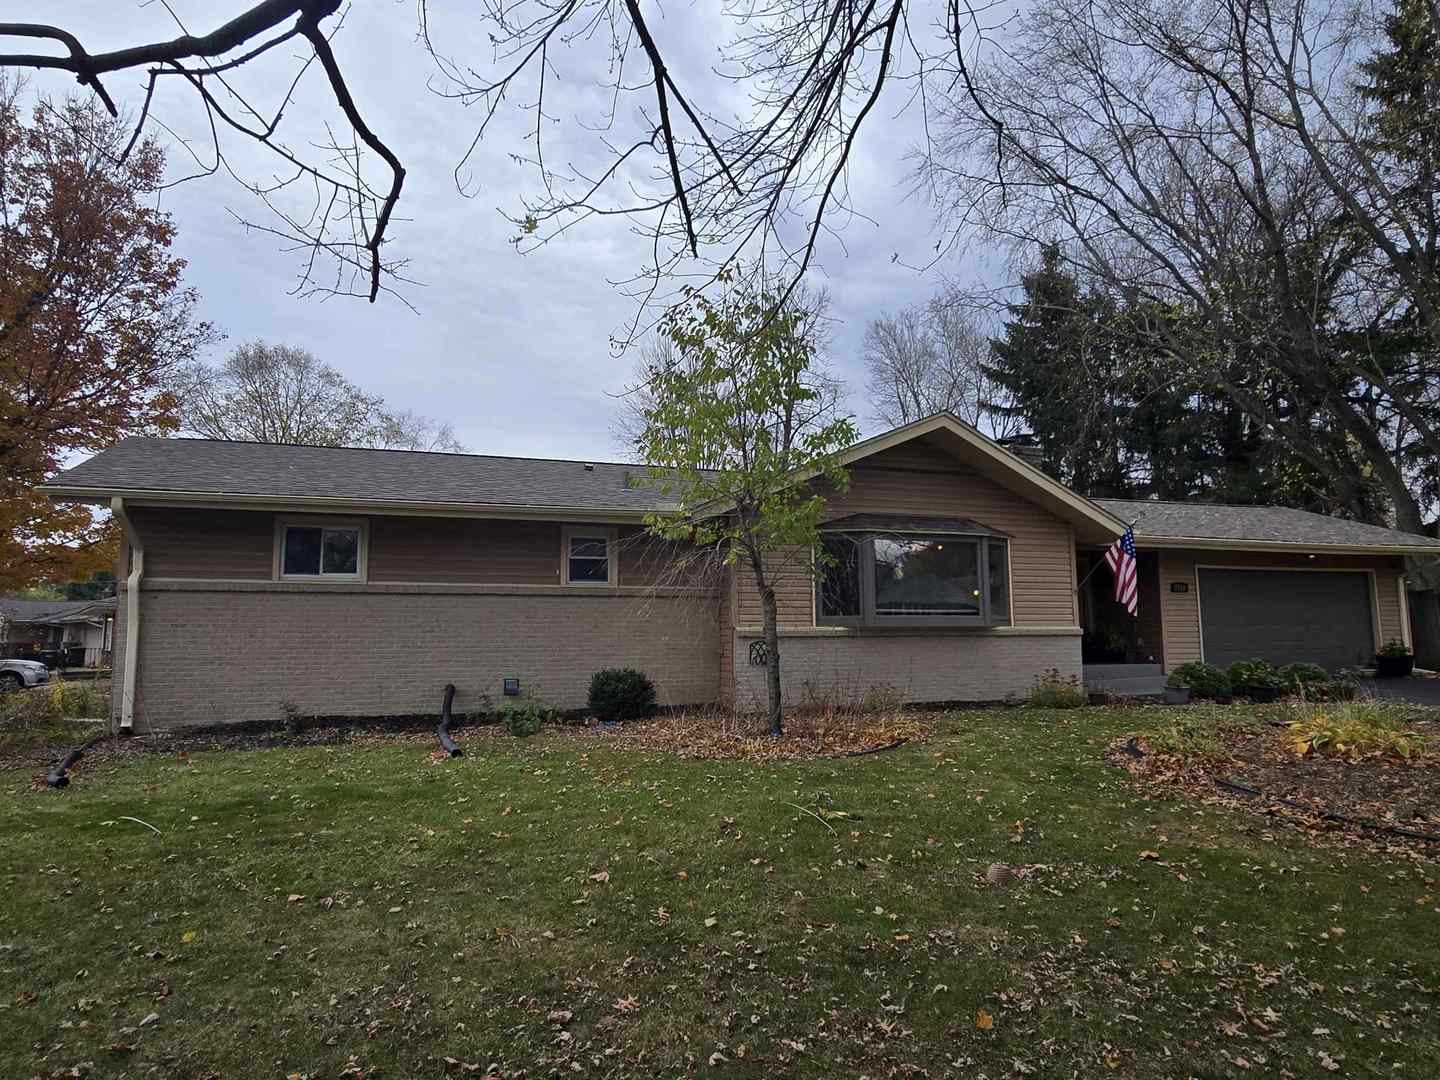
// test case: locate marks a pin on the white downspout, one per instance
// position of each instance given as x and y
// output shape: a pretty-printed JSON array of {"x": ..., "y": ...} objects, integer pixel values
[{"x": 132, "y": 614}]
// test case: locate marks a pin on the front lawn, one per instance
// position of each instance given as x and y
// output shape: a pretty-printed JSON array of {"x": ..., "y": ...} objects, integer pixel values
[{"x": 563, "y": 907}]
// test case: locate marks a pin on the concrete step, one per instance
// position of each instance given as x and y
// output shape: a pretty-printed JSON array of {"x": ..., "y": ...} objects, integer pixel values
[{"x": 1123, "y": 671}]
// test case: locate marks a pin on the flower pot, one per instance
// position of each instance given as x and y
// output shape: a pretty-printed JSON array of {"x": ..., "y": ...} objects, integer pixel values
[
  {"x": 1177, "y": 695},
  {"x": 1394, "y": 667}
]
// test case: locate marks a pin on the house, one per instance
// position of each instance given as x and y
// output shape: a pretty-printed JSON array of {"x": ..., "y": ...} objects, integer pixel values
[
  {"x": 64, "y": 633},
  {"x": 263, "y": 579}
]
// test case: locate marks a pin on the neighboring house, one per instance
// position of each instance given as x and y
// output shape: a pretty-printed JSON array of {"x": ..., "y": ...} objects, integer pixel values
[
  {"x": 63, "y": 633},
  {"x": 260, "y": 579}
]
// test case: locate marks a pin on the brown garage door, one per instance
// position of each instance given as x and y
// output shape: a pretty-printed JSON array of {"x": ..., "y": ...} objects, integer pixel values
[{"x": 1286, "y": 616}]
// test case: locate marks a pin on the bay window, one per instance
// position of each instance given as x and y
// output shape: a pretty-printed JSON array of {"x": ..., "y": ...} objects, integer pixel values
[{"x": 867, "y": 577}]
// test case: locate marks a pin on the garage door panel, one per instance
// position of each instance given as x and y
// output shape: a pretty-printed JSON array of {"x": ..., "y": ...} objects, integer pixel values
[{"x": 1286, "y": 616}]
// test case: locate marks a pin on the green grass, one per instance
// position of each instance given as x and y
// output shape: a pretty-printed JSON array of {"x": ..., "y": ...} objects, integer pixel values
[{"x": 450, "y": 909}]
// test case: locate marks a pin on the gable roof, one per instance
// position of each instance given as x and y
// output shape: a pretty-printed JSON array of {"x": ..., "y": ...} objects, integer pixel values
[
  {"x": 200, "y": 469},
  {"x": 1196, "y": 524},
  {"x": 216, "y": 472}
]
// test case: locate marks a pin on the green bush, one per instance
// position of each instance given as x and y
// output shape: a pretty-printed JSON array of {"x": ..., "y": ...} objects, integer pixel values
[
  {"x": 1254, "y": 674},
  {"x": 1204, "y": 680},
  {"x": 1298, "y": 676},
  {"x": 523, "y": 718},
  {"x": 1051, "y": 691},
  {"x": 621, "y": 694},
  {"x": 1394, "y": 647}
]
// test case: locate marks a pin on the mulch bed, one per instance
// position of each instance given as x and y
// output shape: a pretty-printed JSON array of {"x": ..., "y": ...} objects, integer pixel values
[
  {"x": 1388, "y": 792},
  {"x": 712, "y": 735}
]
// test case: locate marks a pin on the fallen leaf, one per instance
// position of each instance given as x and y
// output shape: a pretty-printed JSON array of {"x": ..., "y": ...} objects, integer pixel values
[
  {"x": 601, "y": 876},
  {"x": 295, "y": 897},
  {"x": 150, "y": 1018},
  {"x": 1149, "y": 855},
  {"x": 983, "y": 1020},
  {"x": 188, "y": 936},
  {"x": 627, "y": 1004}
]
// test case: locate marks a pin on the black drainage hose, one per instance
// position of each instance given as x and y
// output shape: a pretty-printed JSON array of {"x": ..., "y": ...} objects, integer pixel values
[
  {"x": 443, "y": 731},
  {"x": 56, "y": 777},
  {"x": 1132, "y": 747}
]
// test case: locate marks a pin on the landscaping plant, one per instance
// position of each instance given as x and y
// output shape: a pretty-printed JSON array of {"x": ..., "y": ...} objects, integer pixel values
[
  {"x": 1054, "y": 691},
  {"x": 1356, "y": 730},
  {"x": 1205, "y": 680},
  {"x": 621, "y": 694},
  {"x": 1257, "y": 679},
  {"x": 523, "y": 718}
]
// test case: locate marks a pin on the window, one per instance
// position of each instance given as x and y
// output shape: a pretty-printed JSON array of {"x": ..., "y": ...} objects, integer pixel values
[
  {"x": 589, "y": 557},
  {"x": 321, "y": 551},
  {"x": 889, "y": 579}
]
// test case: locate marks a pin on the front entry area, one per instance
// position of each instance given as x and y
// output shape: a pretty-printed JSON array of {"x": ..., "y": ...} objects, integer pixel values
[{"x": 1286, "y": 616}]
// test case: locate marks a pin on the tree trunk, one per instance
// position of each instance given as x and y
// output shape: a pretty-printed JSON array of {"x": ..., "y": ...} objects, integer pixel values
[{"x": 772, "y": 658}]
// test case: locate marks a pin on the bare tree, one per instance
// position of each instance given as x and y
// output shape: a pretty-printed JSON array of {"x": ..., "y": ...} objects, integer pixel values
[
  {"x": 709, "y": 184},
  {"x": 1209, "y": 165},
  {"x": 932, "y": 359},
  {"x": 280, "y": 394}
]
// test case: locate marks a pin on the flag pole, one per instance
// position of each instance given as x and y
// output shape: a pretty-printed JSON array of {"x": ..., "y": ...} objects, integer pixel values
[{"x": 1101, "y": 562}]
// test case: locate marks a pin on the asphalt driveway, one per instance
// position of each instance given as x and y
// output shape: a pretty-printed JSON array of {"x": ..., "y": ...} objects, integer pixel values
[{"x": 1416, "y": 691}]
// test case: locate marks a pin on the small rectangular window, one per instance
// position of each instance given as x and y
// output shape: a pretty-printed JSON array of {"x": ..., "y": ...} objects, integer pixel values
[
  {"x": 838, "y": 587},
  {"x": 315, "y": 551},
  {"x": 587, "y": 560}
]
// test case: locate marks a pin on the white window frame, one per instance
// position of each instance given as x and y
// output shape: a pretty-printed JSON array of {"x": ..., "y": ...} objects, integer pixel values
[
  {"x": 584, "y": 532},
  {"x": 362, "y": 557}
]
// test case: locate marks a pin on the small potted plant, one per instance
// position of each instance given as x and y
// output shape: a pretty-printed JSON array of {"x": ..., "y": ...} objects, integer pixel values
[
  {"x": 1394, "y": 661},
  {"x": 1177, "y": 689}
]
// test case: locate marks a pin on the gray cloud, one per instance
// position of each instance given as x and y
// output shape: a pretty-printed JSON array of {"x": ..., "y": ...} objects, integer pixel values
[{"x": 513, "y": 350}]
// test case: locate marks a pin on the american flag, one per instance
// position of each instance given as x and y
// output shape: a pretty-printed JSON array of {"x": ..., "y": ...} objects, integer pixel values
[{"x": 1121, "y": 558}]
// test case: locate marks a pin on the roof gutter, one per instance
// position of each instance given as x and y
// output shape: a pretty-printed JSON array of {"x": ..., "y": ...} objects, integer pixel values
[
  {"x": 132, "y": 614},
  {"x": 327, "y": 504},
  {"x": 1213, "y": 543}
]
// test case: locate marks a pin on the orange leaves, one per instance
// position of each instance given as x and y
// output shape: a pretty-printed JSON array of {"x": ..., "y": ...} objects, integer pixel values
[{"x": 983, "y": 1020}]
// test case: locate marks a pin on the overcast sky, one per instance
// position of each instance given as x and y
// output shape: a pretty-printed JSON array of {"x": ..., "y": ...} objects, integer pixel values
[{"x": 513, "y": 350}]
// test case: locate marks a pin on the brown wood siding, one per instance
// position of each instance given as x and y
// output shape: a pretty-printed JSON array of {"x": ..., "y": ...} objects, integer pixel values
[
  {"x": 917, "y": 479},
  {"x": 1182, "y": 612},
  {"x": 794, "y": 591},
  {"x": 206, "y": 544},
  {"x": 464, "y": 551},
  {"x": 726, "y": 602},
  {"x": 218, "y": 545}
]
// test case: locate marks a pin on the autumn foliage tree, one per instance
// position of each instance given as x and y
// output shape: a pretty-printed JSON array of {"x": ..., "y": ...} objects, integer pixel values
[{"x": 94, "y": 315}]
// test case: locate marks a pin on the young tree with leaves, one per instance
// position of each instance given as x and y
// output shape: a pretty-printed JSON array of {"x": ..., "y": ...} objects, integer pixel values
[
  {"x": 743, "y": 438},
  {"x": 94, "y": 317},
  {"x": 281, "y": 394}
]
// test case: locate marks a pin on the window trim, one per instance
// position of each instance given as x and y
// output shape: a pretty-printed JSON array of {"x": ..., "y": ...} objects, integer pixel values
[
  {"x": 362, "y": 556},
  {"x": 590, "y": 532},
  {"x": 868, "y": 617}
]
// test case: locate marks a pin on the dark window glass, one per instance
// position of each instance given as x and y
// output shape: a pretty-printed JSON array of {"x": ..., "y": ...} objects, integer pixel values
[
  {"x": 302, "y": 551},
  {"x": 341, "y": 554},
  {"x": 838, "y": 589},
  {"x": 935, "y": 576},
  {"x": 999, "y": 553},
  {"x": 589, "y": 560}
]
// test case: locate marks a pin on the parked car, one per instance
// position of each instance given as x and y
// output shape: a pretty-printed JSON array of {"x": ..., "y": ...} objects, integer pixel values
[{"x": 15, "y": 674}]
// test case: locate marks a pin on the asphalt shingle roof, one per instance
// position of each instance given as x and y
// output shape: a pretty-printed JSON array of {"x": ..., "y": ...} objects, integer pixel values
[
  {"x": 407, "y": 476},
  {"x": 49, "y": 611},
  {"x": 238, "y": 469},
  {"x": 1268, "y": 524}
]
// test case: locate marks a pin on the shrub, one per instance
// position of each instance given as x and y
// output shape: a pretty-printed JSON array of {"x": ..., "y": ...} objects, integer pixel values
[
  {"x": 523, "y": 718},
  {"x": 1357, "y": 729},
  {"x": 621, "y": 694},
  {"x": 1051, "y": 691},
  {"x": 1394, "y": 647},
  {"x": 1299, "y": 678},
  {"x": 1254, "y": 674},
  {"x": 1206, "y": 680}
]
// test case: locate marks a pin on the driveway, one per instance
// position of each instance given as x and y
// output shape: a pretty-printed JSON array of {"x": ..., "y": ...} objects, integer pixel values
[{"x": 1416, "y": 691}]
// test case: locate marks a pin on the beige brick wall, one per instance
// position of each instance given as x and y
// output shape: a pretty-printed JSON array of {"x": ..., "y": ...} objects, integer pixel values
[
  {"x": 215, "y": 653},
  {"x": 922, "y": 666}
]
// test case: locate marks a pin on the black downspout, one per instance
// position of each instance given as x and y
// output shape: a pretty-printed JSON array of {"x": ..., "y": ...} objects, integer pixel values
[{"x": 443, "y": 731}]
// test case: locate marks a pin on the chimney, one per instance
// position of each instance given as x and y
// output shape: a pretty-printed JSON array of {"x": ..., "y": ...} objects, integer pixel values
[{"x": 1026, "y": 449}]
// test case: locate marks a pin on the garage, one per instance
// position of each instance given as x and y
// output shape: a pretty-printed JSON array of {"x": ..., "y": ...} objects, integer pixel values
[{"x": 1286, "y": 616}]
